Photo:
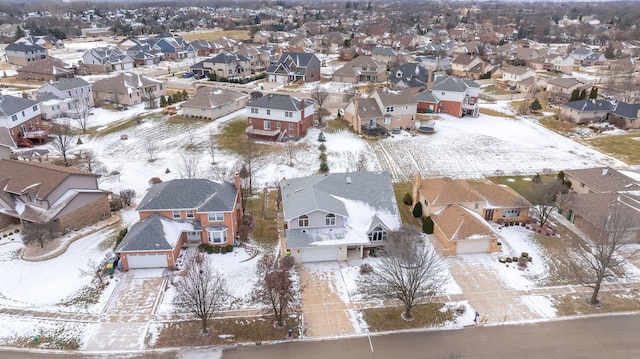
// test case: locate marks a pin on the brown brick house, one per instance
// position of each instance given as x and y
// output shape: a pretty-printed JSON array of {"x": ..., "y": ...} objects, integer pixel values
[{"x": 42, "y": 193}]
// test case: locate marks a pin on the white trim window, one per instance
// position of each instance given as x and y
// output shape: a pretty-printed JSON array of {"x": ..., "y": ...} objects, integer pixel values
[
  {"x": 217, "y": 236},
  {"x": 510, "y": 212},
  {"x": 377, "y": 234},
  {"x": 288, "y": 114},
  {"x": 176, "y": 214},
  {"x": 215, "y": 216},
  {"x": 267, "y": 125},
  {"x": 193, "y": 235},
  {"x": 330, "y": 219},
  {"x": 254, "y": 110},
  {"x": 191, "y": 214},
  {"x": 303, "y": 221}
]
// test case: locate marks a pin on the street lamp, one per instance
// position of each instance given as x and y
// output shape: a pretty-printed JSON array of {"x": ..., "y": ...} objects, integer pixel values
[{"x": 370, "y": 345}]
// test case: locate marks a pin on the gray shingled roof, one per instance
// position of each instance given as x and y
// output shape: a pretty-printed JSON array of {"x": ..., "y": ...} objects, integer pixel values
[
  {"x": 200, "y": 194},
  {"x": 319, "y": 192},
  {"x": 279, "y": 102},
  {"x": 149, "y": 235},
  {"x": 453, "y": 83},
  {"x": 426, "y": 96},
  {"x": 23, "y": 47},
  {"x": 212, "y": 97},
  {"x": 368, "y": 108},
  {"x": 590, "y": 105},
  {"x": 627, "y": 110},
  {"x": 10, "y": 105},
  {"x": 226, "y": 58},
  {"x": 412, "y": 74},
  {"x": 67, "y": 84}
]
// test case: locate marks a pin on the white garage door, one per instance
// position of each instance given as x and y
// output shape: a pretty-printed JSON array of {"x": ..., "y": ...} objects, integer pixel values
[
  {"x": 473, "y": 246},
  {"x": 147, "y": 260},
  {"x": 319, "y": 254}
]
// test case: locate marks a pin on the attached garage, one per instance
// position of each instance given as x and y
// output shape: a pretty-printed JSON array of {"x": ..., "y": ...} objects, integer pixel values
[
  {"x": 472, "y": 246},
  {"x": 147, "y": 260},
  {"x": 319, "y": 254}
]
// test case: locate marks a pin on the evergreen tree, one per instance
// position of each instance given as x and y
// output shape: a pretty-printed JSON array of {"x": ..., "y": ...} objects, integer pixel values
[
  {"x": 575, "y": 95},
  {"x": 608, "y": 52},
  {"x": 417, "y": 210},
  {"x": 185, "y": 95},
  {"x": 583, "y": 94},
  {"x": 427, "y": 225},
  {"x": 163, "y": 101},
  {"x": 535, "y": 106},
  {"x": 594, "y": 93},
  {"x": 19, "y": 33}
]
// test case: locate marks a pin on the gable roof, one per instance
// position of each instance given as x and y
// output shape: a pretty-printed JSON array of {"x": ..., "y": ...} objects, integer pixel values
[
  {"x": 10, "y": 105},
  {"x": 564, "y": 82},
  {"x": 279, "y": 102},
  {"x": 453, "y": 83},
  {"x": 604, "y": 179},
  {"x": 24, "y": 47},
  {"x": 388, "y": 97},
  {"x": 124, "y": 81},
  {"x": 50, "y": 65},
  {"x": 154, "y": 233},
  {"x": 36, "y": 178},
  {"x": 411, "y": 73},
  {"x": 426, "y": 96},
  {"x": 227, "y": 58},
  {"x": 459, "y": 223},
  {"x": 590, "y": 105},
  {"x": 444, "y": 191},
  {"x": 500, "y": 196},
  {"x": 68, "y": 84},
  {"x": 200, "y": 194}
]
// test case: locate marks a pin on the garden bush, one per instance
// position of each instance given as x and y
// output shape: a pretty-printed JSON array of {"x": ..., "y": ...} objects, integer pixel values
[
  {"x": 407, "y": 199},
  {"x": 216, "y": 249},
  {"x": 223, "y": 250},
  {"x": 514, "y": 259},
  {"x": 501, "y": 260},
  {"x": 229, "y": 248},
  {"x": 508, "y": 260},
  {"x": 524, "y": 254},
  {"x": 366, "y": 268},
  {"x": 17, "y": 231}
]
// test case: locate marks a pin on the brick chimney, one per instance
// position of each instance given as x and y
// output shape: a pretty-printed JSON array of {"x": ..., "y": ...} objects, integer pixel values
[
  {"x": 302, "y": 106},
  {"x": 236, "y": 180}
]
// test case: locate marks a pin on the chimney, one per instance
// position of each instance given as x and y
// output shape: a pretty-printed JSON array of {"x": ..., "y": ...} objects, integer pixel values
[
  {"x": 302, "y": 109},
  {"x": 236, "y": 179}
]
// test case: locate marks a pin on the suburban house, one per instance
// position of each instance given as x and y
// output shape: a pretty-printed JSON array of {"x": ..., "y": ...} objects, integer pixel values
[
  {"x": 389, "y": 56},
  {"x": 338, "y": 215},
  {"x": 460, "y": 212},
  {"x": 513, "y": 75},
  {"x": 179, "y": 213},
  {"x": 618, "y": 113},
  {"x": 258, "y": 59},
  {"x": 23, "y": 54},
  {"x": 470, "y": 66},
  {"x": 361, "y": 69},
  {"x": 294, "y": 67},
  {"x": 42, "y": 193},
  {"x": 593, "y": 191},
  {"x": 145, "y": 53},
  {"x": 106, "y": 60},
  {"x": 409, "y": 75},
  {"x": 174, "y": 47},
  {"x": 73, "y": 88},
  {"x": 558, "y": 63},
  {"x": 275, "y": 116},
  {"x": 128, "y": 89},
  {"x": 21, "y": 116},
  {"x": 204, "y": 47},
  {"x": 452, "y": 95},
  {"x": 213, "y": 102},
  {"x": 49, "y": 69},
  {"x": 47, "y": 41},
  {"x": 383, "y": 111},
  {"x": 224, "y": 65},
  {"x": 559, "y": 89}
]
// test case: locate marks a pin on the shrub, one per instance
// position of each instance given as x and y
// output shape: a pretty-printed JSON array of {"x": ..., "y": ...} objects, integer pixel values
[
  {"x": 216, "y": 249},
  {"x": 522, "y": 224},
  {"x": 202, "y": 247},
  {"x": 366, "y": 268},
  {"x": 417, "y": 210},
  {"x": 501, "y": 260},
  {"x": 524, "y": 254},
  {"x": 210, "y": 249},
  {"x": 223, "y": 250},
  {"x": 514, "y": 259},
  {"x": 4, "y": 236},
  {"x": 427, "y": 225},
  {"x": 407, "y": 199},
  {"x": 229, "y": 248},
  {"x": 17, "y": 231},
  {"x": 530, "y": 258},
  {"x": 508, "y": 260},
  {"x": 121, "y": 235}
]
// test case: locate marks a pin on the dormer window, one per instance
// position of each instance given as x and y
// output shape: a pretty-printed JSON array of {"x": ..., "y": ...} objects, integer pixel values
[
  {"x": 330, "y": 219},
  {"x": 303, "y": 221},
  {"x": 377, "y": 234}
]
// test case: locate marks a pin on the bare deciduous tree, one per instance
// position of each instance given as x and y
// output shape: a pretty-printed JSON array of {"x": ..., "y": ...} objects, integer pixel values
[
  {"x": 201, "y": 290},
  {"x": 212, "y": 147},
  {"x": 615, "y": 228},
  {"x": 81, "y": 111},
  {"x": 63, "y": 140},
  {"x": 290, "y": 149},
  {"x": 544, "y": 197},
  {"x": 320, "y": 96},
  {"x": 274, "y": 287},
  {"x": 89, "y": 162},
  {"x": 408, "y": 269},
  {"x": 189, "y": 165},
  {"x": 361, "y": 163},
  {"x": 151, "y": 148},
  {"x": 37, "y": 233},
  {"x": 127, "y": 195}
]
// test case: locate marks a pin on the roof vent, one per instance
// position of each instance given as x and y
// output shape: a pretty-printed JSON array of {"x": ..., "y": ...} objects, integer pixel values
[
  {"x": 348, "y": 180},
  {"x": 604, "y": 171}
]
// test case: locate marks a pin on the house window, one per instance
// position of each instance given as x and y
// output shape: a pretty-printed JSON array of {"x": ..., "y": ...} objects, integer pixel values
[
  {"x": 378, "y": 234},
  {"x": 22, "y": 113},
  {"x": 254, "y": 110},
  {"x": 176, "y": 214},
  {"x": 303, "y": 221},
  {"x": 33, "y": 199},
  {"x": 217, "y": 235},
  {"x": 581, "y": 184},
  {"x": 291, "y": 127},
  {"x": 389, "y": 108},
  {"x": 14, "y": 118},
  {"x": 387, "y": 120},
  {"x": 268, "y": 112},
  {"x": 193, "y": 235},
  {"x": 35, "y": 108},
  {"x": 288, "y": 114},
  {"x": 472, "y": 101},
  {"x": 267, "y": 125},
  {"x": 442, "y": 93},
  {"x": 510, "y": 213},
  {"x": 476, "y": 205},
  {"x": 190, "y": 214},
  {"x": 278, "y": 125},
  {"x": 330, "y": 219},
  {"x": 215, "y": 217},
  {"x": 398, "y": 118}
]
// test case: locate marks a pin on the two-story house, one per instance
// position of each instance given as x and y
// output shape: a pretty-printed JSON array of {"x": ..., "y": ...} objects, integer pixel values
[
  {"x": 471, "y": 66},
  {"x": 21, "y": 116},
  {"x": 361, "y": 69},
  {"x": 178, "y": 213},
  {"x": 513, "y": 75},
  {"x": 49, "y": 69},
  {"x": 383, "y": 111},
  {"x": 460, "y": 212},
  {"x": 295, "y": 67},
  {"x": 224, "y": 65},
  {"x": 275, "y": 116},
  {"x": 452, "y": 95},
  {"x": 23, "y": 54},
  {"x": 75, "y": 88},
  {"x": 409, "y": 75},
  {"x": 106, "y": 59},
  {"x": 174, "y": 47},
  {"x": 338, "y": 215},
  {"x": 128, "y": 89},
  {"x": 42, "y": 193}
]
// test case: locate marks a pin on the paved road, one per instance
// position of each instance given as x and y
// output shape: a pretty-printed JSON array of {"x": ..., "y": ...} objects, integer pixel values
[{"x": 596, "y": 337}]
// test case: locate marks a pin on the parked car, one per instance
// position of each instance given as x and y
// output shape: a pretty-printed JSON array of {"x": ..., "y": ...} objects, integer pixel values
[{"x": 188, "y": 75}]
